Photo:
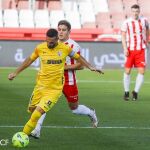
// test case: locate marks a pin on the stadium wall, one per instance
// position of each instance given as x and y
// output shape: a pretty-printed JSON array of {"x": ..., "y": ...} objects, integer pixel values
[
  {"x": 39, "y": 34},
  {"x": 106, "y": 55}
]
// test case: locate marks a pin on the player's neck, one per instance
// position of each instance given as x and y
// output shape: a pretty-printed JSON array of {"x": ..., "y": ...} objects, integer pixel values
[
  {"x": 64, "y": 40},
  {"x": 135, "y": 18}
]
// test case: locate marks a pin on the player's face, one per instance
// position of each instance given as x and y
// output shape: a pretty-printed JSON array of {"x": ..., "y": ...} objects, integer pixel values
[
  {"x": 51, "y": 42},
  {"x": 63, "y": 33},
  {"x": 135, "y": 13}
]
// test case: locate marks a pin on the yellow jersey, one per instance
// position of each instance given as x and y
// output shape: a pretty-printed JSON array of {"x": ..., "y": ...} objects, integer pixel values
[{"x": 52, "y": 62}]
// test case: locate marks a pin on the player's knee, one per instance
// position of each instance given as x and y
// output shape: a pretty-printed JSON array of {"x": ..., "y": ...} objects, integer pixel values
[
  {"x": 31, "y": 109},
  {"x": 73, "y": 106},
  {"x": 141, "y": 71},
  {"x": 39, "y": 109},
  {"x": 75, "y": 111},
  {"x": 127, "y": 72}
]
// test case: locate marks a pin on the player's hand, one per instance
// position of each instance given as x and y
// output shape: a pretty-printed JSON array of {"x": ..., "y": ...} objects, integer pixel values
[
  {"x": 96, "y": 70},
  {"x": 126, "y": 53},
  {"x": 147, "y": 46},
  {"x": 11, "y": 76},
  {"x": 99, "y": 71}
]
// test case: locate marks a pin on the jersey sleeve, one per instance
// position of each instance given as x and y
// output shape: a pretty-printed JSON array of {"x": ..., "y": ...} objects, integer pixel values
[
  {"x": 73, "y": 54},
  {"x": 34, "y": 55},
  {"x": 77, "y": 48}
]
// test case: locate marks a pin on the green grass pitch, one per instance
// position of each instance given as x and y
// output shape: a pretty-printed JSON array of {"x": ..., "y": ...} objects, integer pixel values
[{"x": 123, "y": 125}]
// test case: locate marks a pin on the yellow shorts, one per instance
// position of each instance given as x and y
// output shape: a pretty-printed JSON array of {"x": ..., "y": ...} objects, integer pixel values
[{"x": 44, "y": 98}]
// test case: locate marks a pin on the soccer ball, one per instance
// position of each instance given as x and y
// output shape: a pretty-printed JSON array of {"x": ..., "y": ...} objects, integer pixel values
[{"x": 20, "y": 139}]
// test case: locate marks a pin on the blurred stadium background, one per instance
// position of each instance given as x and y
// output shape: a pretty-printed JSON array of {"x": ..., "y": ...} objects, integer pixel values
[
  {"x": 96, "y": 26},
  {"x": 102, "y": 14}
]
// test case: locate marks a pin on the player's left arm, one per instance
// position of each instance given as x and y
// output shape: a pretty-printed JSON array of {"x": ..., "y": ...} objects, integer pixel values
[
  {"x": 83, "y": 61},
  {"x": 147, "y": 33},
  {"x": 77, "y": 66}
]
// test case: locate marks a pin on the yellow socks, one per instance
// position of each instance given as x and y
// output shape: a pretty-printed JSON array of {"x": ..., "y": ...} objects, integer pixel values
[{"x": 30, "y": 125}]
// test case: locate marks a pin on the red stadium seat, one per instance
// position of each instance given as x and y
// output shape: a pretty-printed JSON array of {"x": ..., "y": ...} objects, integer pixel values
[
  {"x": 115, "y": 6},
  {"x": 103, "y": 20},
  {"x": 9, "y": 4},
  {"x": 23, "y": 4},
  {"x": 89, "y": 25},
  {"x": 54, "y": 5},
  {"x": 117, "y": 19},
  {"x": 41, "y": 4},
  {"x": 103, "y": 16}
]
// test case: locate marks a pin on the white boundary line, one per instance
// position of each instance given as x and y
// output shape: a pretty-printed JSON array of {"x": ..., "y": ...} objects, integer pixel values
[
  {"x": 86, "y": 81},
  {"x": 78, "y": 127},
  {"x": 106, "y": 81}
]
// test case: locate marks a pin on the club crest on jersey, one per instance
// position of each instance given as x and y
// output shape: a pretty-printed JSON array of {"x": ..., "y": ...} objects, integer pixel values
[{"x": 59, "y": 53}]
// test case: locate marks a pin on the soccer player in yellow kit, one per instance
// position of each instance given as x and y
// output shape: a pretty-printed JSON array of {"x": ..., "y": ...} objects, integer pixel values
[{"x": 50, "y": 78}]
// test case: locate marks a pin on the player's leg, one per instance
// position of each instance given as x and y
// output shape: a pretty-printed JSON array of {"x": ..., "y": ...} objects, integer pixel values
[
  {"x": 37, "y": 131},
  {"x": 37, "y": 95},
  {"x": 71, "y": 94},
  {"x": 126, "y": 83},
  {"x": 30, "y": 125},
  {"x": 138, "y": 83},
  {"x": 129, "y": 61},
  {"x": 42, "y": 108},
  {"x": 32, "y": 108},
  {"x": 35, "y": 99},
  {"x": 140, "y": 65},
  {"x": 53, "y": 95}
]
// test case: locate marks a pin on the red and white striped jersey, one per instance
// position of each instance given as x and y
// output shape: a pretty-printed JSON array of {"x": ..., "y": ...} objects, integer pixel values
[
  {"x": 70, "y": 76},
  {"x": 135, "y": 33}
]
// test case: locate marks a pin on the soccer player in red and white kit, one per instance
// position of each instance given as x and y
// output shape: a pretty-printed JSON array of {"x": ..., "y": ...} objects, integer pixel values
[
  {"x": 70, "y": 89},
  {"x": 135, "y": 34}
]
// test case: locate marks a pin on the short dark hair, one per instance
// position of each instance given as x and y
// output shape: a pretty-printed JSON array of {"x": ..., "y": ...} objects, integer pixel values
[
  {"x": 66, "y": 23},
  {"x": 136, "y": 6},
  {"x": 52, "y": 33}
]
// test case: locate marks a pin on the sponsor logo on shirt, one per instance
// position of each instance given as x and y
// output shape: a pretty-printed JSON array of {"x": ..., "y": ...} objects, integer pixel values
[{"x": 51, "y": 61}]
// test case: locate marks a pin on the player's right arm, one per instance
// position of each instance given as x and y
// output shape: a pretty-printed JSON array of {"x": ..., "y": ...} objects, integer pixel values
[
  {"x": 28, "y": 61},
  {"x": 124, "y": 44},
  {"x": 147, "y": 34},
  {"x": 83, "y": 61},
  {"x": 76, "y": 65},
  {"x": 123, "y": 38}
]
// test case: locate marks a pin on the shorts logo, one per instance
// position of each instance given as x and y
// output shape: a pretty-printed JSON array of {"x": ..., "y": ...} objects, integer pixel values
[
  {"x": 143, "y": 63},
  {"x": 48, "y": 103}
]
